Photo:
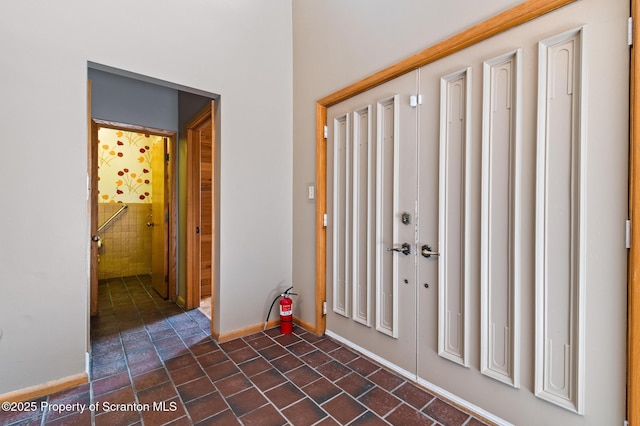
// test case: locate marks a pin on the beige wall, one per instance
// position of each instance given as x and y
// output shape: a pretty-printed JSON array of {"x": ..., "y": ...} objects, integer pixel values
[
  {"x": 240, "y": 50},
  {"x": 269, "y": 61},
  {"x": 336, "y": 43}
]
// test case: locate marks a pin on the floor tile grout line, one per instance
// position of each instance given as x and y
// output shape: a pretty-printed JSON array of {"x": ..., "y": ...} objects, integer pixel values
[
  {"x": 333, "y": 382},
  {"x": 144, "y": 325},
  {"x": 390, "y": 392},
  {"x": 91, "y": 378},
  {"x": 364, "y": 414},
  {"x": 158, "y": 354},
  {"x": 131, "y": 381},
  {"x": 306, "y": 395},
  {"x": 163, "y": 361},
  {"x": 434, "y": 397},
  {"x": 138, "y": 295},
  {"x": 269, "y": 402}
]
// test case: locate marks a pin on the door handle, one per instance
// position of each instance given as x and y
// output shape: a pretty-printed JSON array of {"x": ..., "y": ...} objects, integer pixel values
[
  {"x": 150, "y": 224},
  {"x": 426, "y": 251},
  {"x": 405, "y": 249}
]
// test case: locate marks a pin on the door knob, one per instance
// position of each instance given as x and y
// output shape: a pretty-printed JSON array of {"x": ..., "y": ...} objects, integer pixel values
[
  {"x": 426, "y": 251},
  {"x": 405, "y": 249},
  {"x": 150, "y": 224}
]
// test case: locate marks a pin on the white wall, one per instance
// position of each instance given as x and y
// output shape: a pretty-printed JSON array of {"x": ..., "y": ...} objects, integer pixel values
[
  {"x": 240, "y": 49},
  {"x": 336, "y": 43}
]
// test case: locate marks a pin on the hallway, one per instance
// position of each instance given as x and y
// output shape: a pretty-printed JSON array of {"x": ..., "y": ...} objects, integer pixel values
[{"x": 149, "y": 354}]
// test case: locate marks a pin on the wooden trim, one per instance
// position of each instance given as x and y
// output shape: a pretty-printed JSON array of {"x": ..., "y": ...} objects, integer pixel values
[
  {"x": 173, "y": 217},
  {"x": 92, "y": 167},
  {"x": 205, "y": 113},
  {"x": 135, "y": 128},
  {"x": 504, "y": 21},
  {"x": 518, "y": 15},
  {"x": 192, "y": 290},
  {"x": 256, "y": 328},
  {"x": 633, "y": 282},
  {"x": 244, "y": 331},
  {"x": 193, "y": 219},
  {"x": 304, "y": 324},
  {"x": 45, "y": 388},
  {"x": 321, "y": 209},
  {"x": 93, "y": 214},
  {"x": 181, "y": 302}
]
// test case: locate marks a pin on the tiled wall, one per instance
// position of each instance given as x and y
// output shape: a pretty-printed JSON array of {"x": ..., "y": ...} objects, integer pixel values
[{"x": 126, "y": 241}]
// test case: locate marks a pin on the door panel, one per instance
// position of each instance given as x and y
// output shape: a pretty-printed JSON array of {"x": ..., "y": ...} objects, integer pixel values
[
  {"x": 453, "y": 229},
  {"x": 500, "y": 218},
  {"x": 371, "y": 175},
  {"x": 364, "y": 223},
  {"x": 560, "y": 218}
]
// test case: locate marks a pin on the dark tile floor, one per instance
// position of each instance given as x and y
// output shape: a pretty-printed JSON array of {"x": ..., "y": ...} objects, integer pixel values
[{"x": 153, "y": 363}]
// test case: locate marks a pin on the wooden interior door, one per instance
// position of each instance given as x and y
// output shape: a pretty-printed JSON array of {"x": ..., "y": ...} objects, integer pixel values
[
  {"x": 200, "y": 207},
  {"x": 205, "y": 131},
  {"x": 159, "y": 222}
]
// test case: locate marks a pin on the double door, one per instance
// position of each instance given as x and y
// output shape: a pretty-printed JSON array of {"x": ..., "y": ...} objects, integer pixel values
[{"x": 476, "y": 211}]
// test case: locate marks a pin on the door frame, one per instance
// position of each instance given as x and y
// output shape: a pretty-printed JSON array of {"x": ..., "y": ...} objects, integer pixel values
[
  {"x": 96, "y": 123},
  {"x": 633, "y": 282},
  {"x": 518, "y": 15},
  {"x": 192, "y": 288}
]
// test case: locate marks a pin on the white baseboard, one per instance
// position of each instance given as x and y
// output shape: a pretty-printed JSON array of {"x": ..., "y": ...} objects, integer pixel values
[{"x": 440, "y": 392}]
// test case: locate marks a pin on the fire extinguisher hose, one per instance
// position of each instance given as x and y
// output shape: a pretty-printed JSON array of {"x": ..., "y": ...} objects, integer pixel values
[{"x": 273, "y": 303}]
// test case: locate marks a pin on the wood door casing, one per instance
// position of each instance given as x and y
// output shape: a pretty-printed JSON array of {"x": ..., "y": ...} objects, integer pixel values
[
  {"x": 159, "y": 223},
  {"x": 200, "y": 207},
  {"x": 92, "y": 206}
]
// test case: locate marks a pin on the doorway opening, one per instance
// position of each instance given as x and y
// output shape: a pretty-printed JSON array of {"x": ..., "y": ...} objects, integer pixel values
[
  {"x": 133, "y": 204},
  {"x": 117, "y": 96}
]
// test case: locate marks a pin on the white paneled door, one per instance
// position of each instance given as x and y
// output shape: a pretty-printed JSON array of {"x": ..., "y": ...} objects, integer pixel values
[
  {"x": 476, "y": 217},
  {"x": 372, "y": 164}
]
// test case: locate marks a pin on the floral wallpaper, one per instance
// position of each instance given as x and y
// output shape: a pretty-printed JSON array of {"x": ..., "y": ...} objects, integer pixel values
[{"x": 124, "y": 166}]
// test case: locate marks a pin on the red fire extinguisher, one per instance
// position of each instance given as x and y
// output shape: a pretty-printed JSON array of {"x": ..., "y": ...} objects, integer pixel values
[{"x": 286, "y": 314}]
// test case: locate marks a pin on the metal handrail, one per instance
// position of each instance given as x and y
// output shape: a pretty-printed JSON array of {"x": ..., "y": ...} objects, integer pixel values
[{"x": 113, "y": 216}]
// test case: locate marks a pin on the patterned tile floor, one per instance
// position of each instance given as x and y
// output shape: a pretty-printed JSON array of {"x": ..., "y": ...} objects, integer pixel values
[{"x": 153, "y": 363}]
